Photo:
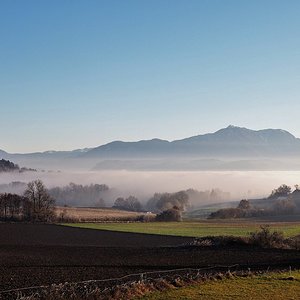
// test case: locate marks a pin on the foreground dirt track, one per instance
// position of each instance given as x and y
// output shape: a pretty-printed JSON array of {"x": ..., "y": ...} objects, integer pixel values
[{"x": 33, "y": 255}]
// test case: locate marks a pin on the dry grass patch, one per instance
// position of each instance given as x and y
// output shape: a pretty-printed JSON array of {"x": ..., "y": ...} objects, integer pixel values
[
  {"x": 85, "y": 214},
  {"x": 266, "y": 287}
]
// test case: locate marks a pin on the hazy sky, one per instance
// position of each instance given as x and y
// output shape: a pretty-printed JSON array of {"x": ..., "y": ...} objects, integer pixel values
[{"x": 82, "y": 73}]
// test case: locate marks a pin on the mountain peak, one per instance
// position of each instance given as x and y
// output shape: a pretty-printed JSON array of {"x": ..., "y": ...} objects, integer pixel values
[{"x": 234, "y": 127}]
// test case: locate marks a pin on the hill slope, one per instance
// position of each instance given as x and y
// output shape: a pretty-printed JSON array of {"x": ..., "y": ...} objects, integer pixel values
[
  {"x": 231, "y": 141},
  {"x": 231, "y": 148}
]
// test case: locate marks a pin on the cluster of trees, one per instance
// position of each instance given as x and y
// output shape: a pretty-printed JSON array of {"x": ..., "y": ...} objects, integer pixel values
[
  {"x": 131, "y": 204},
  {"x": 282, "y": 191},
  {"x": 284, "y": 207},
  {"x": 168, "y": 206},
  {"x": 243, "y": 210},
  {"x": 209, "y": 196},
  {"x": 11, "y": 206},
  {"x": 164, "y": 201},
  {"x": 284, "y": 202},
  {"x": 15, "y": 187},
  {"x": 181, "y": 200},
  {"x": 34, "y": 205},
  {"x": 8, "y": 166},
  {"x": 77, "y": 194}
]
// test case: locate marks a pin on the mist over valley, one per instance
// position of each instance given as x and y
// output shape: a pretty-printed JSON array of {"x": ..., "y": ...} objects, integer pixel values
[
  {"x": 232, "y": 148},
  {"x": 240, "y": 162}
]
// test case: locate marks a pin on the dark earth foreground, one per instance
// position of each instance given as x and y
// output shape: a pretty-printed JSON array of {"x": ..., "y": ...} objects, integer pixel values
[{"x": 33, "y": 255}]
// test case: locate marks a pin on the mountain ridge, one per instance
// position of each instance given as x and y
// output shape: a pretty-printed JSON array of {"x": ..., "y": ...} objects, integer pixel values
[
  {"x": 234, "y": 133},
  {"x": 231, "y": 140},
  {"x": 230, "y": 143}
]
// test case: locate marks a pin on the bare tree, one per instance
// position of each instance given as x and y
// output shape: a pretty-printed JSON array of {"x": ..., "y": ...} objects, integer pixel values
[
  {"x": 131, "y": 203},
  {"x": 11, "y": 206},
  {"x": 161, "y": 202},
  {"x": 41, "y": 204}
]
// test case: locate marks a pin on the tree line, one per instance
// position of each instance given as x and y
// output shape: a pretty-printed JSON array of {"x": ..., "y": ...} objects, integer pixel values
[
  {"x": 77, "y": 194},
  {"x": 34, "y": 205},
  {"x": 283, "y": 202},
  {"x": 168, "y": 206},
  {"x": 8, "y": 166}
]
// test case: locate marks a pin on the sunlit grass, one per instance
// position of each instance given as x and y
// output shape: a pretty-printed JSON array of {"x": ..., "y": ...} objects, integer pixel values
[
  {"x": 273, "y": 287},
  {"x": 192, "y": 229}
]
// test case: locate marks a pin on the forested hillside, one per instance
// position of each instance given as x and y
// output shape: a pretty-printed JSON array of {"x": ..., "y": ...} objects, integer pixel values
[{"x": 8, "y": 166}]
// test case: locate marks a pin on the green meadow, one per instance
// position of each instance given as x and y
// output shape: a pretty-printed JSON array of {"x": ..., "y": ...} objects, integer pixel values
[{"x": 193, "y": 229}]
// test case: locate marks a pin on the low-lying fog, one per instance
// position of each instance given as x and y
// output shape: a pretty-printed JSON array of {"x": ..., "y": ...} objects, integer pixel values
[{"x": 248, "y": 184}]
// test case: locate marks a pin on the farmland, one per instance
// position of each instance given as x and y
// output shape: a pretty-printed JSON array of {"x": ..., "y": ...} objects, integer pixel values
[
  {"x": 86, "y": 214},
  {"x": 58, "y": 254},
  {"x": 270, "y": 286},
  {"x": 195, "y": 229}
]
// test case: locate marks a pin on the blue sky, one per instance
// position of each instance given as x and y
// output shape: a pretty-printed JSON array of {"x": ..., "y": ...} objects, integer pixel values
[{"x": 79, "y": 74}]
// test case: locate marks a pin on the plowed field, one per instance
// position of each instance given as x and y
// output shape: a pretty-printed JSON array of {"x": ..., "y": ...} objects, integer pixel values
[{"x": 36, "y": 254}]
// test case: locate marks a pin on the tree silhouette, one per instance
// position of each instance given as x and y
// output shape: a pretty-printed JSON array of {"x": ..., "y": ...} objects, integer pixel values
[{"x": 40, "y": 206}]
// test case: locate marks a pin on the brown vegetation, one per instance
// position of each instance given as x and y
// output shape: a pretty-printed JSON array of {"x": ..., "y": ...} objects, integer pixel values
[
  {"x": 268, "y": 239},
  {"x": 263, "y": 238},
  {"x": 169, "y": 215},
  {"x": 125, "y": 288},
  {"x": 85, "y": 214}
]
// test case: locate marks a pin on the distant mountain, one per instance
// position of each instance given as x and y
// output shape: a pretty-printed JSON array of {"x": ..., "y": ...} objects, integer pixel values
[
  {"x": 3, "y": 154},
  {"x": 229, "y": 148},
  {"x": 150, "y": 148},
  {"x": 228, "y": 142},
  {"x": 197, "y": 165}
]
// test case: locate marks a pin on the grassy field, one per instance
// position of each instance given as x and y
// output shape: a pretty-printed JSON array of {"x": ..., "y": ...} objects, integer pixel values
[
  {"x": 271, "y": 287},
  {"x": 193, "y": 229}
]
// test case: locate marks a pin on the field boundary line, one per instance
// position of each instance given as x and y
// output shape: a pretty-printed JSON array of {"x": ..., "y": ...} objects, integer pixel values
[{"x": 142, "y": 274}]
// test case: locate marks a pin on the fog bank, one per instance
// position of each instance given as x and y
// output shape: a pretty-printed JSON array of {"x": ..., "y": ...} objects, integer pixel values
[{"x": 246, "y": 184}]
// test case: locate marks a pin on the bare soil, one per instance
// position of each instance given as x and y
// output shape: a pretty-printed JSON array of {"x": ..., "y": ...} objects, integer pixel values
[{"x": 36, "y": 254}]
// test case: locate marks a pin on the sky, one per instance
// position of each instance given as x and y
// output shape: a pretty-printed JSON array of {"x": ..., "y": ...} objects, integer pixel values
[{"x": 78, "y": 73}]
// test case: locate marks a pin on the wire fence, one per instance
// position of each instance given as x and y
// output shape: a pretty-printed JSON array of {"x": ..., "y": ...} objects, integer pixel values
[{"x": 105, "y": 285}]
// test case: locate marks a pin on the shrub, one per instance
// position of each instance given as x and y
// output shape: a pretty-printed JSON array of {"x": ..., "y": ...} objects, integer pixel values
[
  {"x": 170, "y": 215},
  {"x": 227, "y": 213},
  {"x": 146, "y": 218},
  {"x": 294, "y": 242},
  {"x": 219, "y": 241},
  {"x": 267, "y": 239}
]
